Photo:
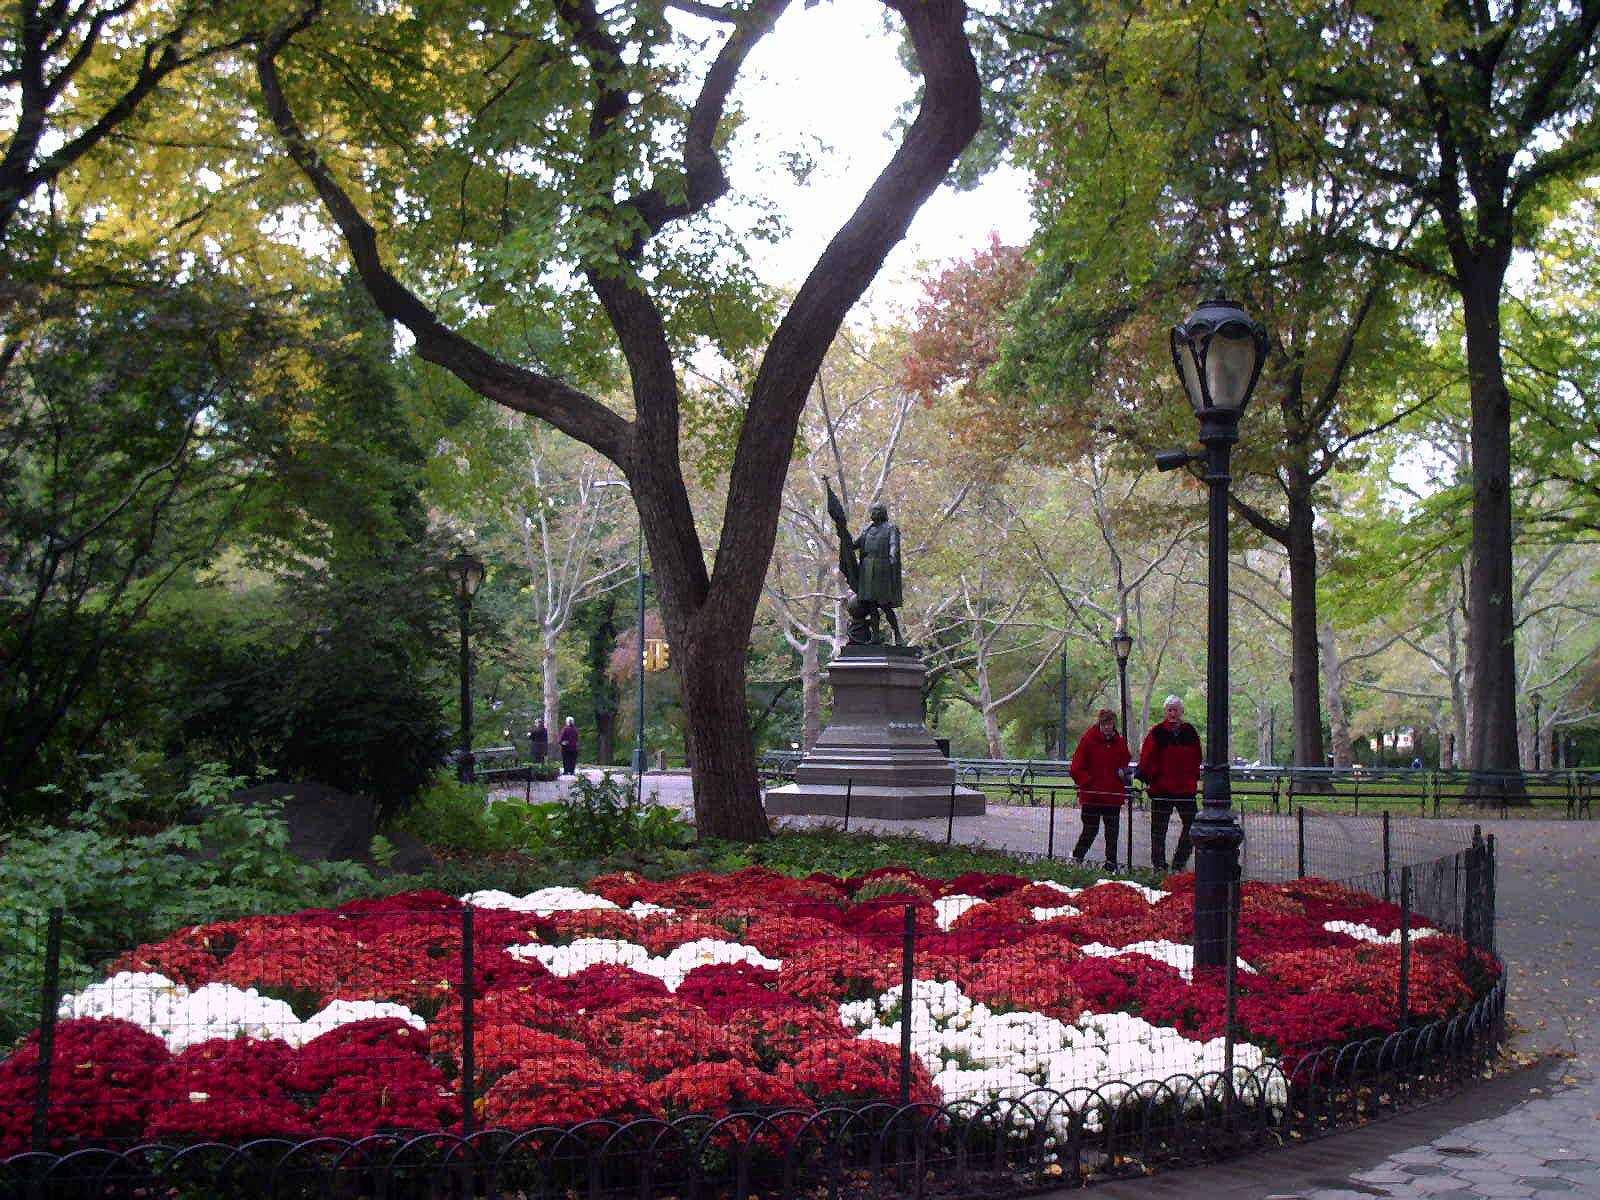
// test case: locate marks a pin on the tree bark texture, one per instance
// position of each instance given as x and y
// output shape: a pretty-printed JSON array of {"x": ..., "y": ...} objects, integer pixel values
[
  {"x": 1491, "y": 628},
  {"x": 1338, "y": 723},
  {"x": 1305, "y": 685}
]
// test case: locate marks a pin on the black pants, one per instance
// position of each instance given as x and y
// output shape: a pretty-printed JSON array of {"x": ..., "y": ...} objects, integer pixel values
[
  {"x": 1093, "y": 819},
  {"x": 569, "y": 766},
  {"x": 1161, "y": 810}
]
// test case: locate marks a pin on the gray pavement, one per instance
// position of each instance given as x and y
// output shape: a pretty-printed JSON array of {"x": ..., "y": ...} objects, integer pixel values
[{"x": 1533, "y": 1129}]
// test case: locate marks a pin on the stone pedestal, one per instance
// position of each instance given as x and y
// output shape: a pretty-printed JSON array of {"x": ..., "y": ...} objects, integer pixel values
[{"x": 877, "y": 746}]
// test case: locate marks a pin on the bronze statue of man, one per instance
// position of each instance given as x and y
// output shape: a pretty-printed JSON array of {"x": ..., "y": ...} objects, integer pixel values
[{"x": 871, "y": 566}]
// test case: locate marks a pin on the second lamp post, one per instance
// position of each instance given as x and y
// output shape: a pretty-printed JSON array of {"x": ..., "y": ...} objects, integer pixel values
[
  {"x": 1219, "y": 352},
  {"x": 465, "y": 573}
]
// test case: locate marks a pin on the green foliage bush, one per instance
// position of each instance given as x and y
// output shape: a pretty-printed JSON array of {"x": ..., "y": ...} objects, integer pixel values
[
  {"x": 457, "y": 816},
  {"x": 603, "y": 816},
  {"x": 118, "y": 889}
]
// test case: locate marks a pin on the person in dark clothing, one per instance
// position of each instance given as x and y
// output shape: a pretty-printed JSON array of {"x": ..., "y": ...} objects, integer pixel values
[
  {"x": 1100, "y": 769},
  {"x": 569, "y": 747},
  {"x": 1169, "y": 765},
  {"x": 538, "y": 741}
]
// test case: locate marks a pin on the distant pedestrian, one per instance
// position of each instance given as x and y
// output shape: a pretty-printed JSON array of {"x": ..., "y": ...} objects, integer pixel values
[
  {"x": 1169, "y": 765},
  {"x": 569, "y": 747},
  {"x": 1100, "y": 769},
  {"x": 538, "y": 741},
  {"x": 1416, "y": 763}
]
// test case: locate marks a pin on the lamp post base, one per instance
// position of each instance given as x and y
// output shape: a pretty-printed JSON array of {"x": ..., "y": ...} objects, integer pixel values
[
  {"x": 638, "y": 760},
  {"x": 1217, "y": 838}
]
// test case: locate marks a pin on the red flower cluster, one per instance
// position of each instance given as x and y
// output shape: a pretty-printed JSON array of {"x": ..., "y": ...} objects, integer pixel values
[{"x": 611, "y": 1042}]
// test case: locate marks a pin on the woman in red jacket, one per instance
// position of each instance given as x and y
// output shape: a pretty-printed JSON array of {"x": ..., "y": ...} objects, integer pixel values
[
  {"x": 1100, "y": 768},
  {"x": 1169, "y": 764}
]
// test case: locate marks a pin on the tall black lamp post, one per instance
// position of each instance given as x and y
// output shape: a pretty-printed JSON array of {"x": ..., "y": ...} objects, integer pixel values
[
  {"x": 465, "y": 573},
  {"x": 1537, "y": 701},
  {"x": 1122, "y": 646},
  {"x": 1219, "y": 352}
]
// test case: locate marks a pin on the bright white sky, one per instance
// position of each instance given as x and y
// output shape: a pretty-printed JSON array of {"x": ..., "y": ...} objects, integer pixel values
[{"x": 829, "y": 80}]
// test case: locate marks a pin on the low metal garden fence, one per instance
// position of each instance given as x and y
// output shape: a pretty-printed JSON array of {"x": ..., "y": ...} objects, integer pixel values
[{"x": 865, "y": 1037}]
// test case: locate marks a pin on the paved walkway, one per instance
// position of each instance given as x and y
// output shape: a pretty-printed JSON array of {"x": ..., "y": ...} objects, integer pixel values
[{"x": 1528, "y": 1132}]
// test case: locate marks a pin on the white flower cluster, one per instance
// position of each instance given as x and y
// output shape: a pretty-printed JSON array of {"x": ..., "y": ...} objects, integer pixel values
[
  {"x": 1175, "y": 954},
  {"x": 184, "y": 1018},
  {"x": 976, "y": 1054},
  {"x": 541, "y": 903},
  {"x": 948, "y": 908},
  {"x": 1366, "y": 933},
  {"x": 1065, "y": 910},
  {"x": 671, "y": 968}
]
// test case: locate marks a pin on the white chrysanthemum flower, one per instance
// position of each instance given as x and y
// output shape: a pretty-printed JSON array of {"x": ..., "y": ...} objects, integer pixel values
[
  {"x": 640, "y": 908},
  {"x": 1049, "y": 914},
  {"x": 142, "y": 997},
  {"x": 543, "y": 902},
  {"x": 346, "y": 1012},
  {"x": 948, "y": 908},
  {"x": 219, "y": 1010},
  {"x": 1178, "y": 955},
  {"x": 1366, "y": 933},
  {"x": 703, "y": 952},
  {"x": 582, "y": 954}
]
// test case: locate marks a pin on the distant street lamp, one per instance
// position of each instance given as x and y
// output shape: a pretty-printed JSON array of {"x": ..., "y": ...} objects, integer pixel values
[
  {"x": 1537, "y": 701},
  {"x": 1122, "y": 646},
  {"x": 638, "y": 744},
  {"x": 465, "y": 573},
  {"x": 1218, "y": 352}
]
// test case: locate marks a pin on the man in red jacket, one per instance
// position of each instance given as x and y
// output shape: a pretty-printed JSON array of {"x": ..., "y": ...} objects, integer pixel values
[
  {"x": 1100, "y": 769},
  {"x": 1169, "y": 764}
]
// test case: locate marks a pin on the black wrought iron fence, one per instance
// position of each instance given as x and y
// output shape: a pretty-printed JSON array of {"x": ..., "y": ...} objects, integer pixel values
[{"x": 851, "y": 1042}]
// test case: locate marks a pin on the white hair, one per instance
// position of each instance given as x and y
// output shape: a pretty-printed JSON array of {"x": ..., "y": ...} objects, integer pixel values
[{"x": 1178, "y": 700}]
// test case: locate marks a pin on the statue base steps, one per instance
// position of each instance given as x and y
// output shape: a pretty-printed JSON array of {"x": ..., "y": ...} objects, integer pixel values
[{"x": 877, "y": 748}]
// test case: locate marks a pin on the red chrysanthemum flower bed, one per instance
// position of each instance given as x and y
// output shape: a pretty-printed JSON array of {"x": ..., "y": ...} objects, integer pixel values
[{"x": 605, "y": 1013}]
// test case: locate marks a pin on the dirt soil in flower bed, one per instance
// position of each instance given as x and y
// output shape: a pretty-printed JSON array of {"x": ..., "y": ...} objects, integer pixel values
[{"x": 706, "y": 994}]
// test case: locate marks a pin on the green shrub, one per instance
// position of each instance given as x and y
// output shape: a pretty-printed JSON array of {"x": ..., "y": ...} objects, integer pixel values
[
  {"x": 118, "y": 889},
  {"x": 458, "y": 816},
  {"x": 602, "y": 817}
]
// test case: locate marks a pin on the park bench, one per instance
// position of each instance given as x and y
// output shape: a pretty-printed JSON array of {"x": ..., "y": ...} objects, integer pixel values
[{"x": 503, "y": 764}]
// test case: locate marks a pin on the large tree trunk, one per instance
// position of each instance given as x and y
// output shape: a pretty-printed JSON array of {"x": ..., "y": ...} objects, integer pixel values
[
  {"x": 717, "y": 733},
  {"x": 1305, "y": 686},
  {"x": 1491, "y": 615}
]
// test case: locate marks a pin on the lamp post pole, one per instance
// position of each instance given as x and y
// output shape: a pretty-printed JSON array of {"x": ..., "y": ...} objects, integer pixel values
[
  {"x": 1122, "y": 646},
  {"x": 465, "y": 574},
  {"x": 1537, "y": 701},
  {"x": 1218, "y": 352},
  {"x": 1216, "y": 835}
]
